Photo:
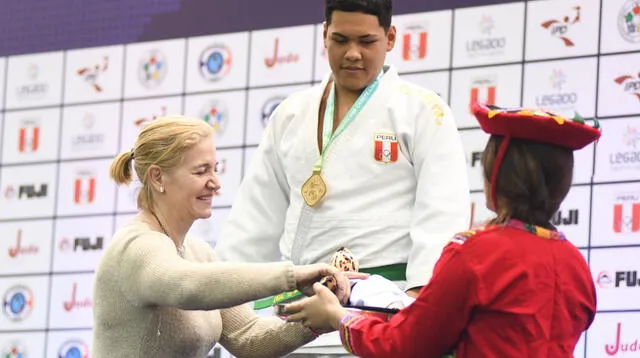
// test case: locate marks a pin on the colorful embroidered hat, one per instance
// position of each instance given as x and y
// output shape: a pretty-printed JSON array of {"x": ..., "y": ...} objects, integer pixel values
[{"x": 532, "y": 124}]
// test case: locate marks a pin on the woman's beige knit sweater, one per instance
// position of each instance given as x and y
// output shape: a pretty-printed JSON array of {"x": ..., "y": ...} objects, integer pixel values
[{"x": 150, "y": 302}]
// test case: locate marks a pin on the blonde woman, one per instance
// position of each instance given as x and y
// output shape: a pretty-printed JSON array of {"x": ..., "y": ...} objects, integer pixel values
[{"x": 159, "y": 293}]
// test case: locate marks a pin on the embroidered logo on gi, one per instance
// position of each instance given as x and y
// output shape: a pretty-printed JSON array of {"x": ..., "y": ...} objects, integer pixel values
[
  {"x": 385, "y": 146},
  {"x": 431, "y": 99}
]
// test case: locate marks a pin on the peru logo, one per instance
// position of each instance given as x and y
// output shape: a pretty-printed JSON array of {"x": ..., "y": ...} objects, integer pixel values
[
  {"x": 483, "y": 90},
  {"x": 29, "y": 136},
  {"x": 385, "y": 147},
  {"x": 626, "y": 217},
  {"x": 414, "y": 43},
  {"x": 84, "y": 189}
]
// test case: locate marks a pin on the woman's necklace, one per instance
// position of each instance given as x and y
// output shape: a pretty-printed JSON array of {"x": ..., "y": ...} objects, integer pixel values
[{"x": 179, "y": 249}]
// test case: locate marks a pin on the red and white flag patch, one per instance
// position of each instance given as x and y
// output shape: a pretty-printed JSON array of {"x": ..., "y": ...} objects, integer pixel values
[{"x": 386, "y": 147}]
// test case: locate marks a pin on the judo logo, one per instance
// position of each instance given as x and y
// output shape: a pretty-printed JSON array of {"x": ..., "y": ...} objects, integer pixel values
[
  {"x": 22, "y": 250},
  {"x": 215, "y": 114},
  {"x": 74, "y": 303},
  {"x": 629, "y": 21},
  {"x": 559, "y": 28},
  {"x": 18, "y": 303},
  {"x": 90, "y": 74},
  {"x": 14, "y": 350},
  {"x": 269, "y": 107},
  {"x": 152, "y": 69},
  {"x": 215, "y": 62},
  {"x": 73, "y": 349},
  {"x": 385, "y": 147},
  {"x": 621, "y": 345},
  {"x": 277, "y": 58}
]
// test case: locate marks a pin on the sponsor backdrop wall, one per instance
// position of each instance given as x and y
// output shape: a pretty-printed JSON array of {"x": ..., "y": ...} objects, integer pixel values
[{"x": 67, "y": 111}]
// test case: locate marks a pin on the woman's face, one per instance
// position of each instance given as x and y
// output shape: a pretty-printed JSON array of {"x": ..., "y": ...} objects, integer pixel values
[{"x": 191, "y": 186}]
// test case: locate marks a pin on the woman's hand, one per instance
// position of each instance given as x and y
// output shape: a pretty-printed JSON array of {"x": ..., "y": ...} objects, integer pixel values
[
  {"x": 321, "y": 312},
  {"x": 307, "y": 275}
]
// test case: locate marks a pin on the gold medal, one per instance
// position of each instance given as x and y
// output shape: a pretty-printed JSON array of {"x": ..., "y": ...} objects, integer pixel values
[{"x": 313, "y": 189}]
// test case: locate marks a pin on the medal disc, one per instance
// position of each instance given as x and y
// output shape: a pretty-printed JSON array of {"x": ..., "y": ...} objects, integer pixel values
[{"x": 313, "y": 189}]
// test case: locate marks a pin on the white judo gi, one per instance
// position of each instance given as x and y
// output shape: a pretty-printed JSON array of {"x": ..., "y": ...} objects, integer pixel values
[{"x": 397, "y": 185}]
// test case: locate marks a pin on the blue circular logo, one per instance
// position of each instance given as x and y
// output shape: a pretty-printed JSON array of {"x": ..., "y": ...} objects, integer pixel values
[
  {"x": 18, "y": 302},
  {"x": 215, "y": 62},
  {"x": 269, "y": 106},
  {"x": 73, "y": 349}
]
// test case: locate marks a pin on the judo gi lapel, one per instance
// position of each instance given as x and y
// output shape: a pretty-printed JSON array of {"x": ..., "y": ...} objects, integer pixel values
[{"x": 374, "y": 107}]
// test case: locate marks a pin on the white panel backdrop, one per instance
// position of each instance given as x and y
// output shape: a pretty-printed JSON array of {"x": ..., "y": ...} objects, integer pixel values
[{"x": 64, "y": 116}]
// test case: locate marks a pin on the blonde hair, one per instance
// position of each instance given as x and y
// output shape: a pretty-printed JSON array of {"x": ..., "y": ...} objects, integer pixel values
[{"x": 163, "y": 142}]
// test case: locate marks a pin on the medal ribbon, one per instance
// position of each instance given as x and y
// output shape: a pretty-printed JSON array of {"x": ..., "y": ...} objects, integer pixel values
[{"x": 327, "y": 126}]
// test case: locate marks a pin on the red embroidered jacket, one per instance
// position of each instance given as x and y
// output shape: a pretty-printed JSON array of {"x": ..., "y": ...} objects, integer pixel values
[{"x": 502, "y": 291}]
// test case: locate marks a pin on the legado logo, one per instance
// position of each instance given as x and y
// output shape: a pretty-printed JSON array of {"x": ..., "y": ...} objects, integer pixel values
[{"x": 487, "y": 45}]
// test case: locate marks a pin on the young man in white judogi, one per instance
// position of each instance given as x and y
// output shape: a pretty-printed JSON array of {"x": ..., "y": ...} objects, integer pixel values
[{"x": 364, "y": 161}]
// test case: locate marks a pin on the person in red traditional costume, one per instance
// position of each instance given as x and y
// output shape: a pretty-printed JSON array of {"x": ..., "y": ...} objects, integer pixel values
[{"x": 514, "y": 288}]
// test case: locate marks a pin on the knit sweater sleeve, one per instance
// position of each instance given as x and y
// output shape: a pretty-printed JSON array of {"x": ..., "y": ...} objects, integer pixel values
[
  {"x": 151, "y": 273},
  {"x": 246, "y": 335}
]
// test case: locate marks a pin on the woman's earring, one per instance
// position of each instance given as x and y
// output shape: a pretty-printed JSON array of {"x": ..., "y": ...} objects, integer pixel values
[{"x": 162, "y": 189}]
